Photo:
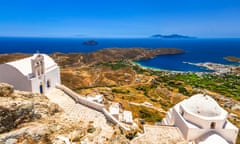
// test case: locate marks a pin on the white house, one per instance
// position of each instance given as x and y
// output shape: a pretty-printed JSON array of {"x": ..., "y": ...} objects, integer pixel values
[
  {"x": 38, "y": 73},
  {"x": 114, "y": 110},
  {"x": 127, "y": 117},
  {"x": 98, "y": 98},
  {"x": 202, "y": 120}
]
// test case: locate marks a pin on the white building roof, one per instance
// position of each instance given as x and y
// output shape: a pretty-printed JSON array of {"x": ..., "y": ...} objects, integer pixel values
[
  {"x": 127, "y": 116},
  {"x": 214, "y": 139},
  {"x": 97, "y": 98},
  {"x": 202, "y": 105},
  {"x": 25, "y": 67},
  {"x": 114, "y": 109}
]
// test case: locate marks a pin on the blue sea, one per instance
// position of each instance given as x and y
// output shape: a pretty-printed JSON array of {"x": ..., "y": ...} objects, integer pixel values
[{"x": 197, "y": 50}]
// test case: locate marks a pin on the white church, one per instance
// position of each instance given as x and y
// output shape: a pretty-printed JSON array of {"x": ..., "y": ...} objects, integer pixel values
[
  {"x": 38, "y": 73},
  {"x": 202, "y": 121}
]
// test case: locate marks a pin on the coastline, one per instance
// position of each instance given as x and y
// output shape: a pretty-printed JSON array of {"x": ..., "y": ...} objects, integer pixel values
[
  {"x": 197, "y": 50},
  {"x": 216, "y": 67},
  {"x": 212, "y": 67},
  {"x": 146, "y": 67},
  {"x": 155, "y": 69}
]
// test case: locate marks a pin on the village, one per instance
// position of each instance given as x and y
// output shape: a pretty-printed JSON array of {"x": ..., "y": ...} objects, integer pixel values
[{"x": 217, "y": 68}]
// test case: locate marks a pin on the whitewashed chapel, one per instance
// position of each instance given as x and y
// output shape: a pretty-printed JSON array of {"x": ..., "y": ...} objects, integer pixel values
[
  {"x": 38, "y": 73},
  {"x": 202, "y": 120}
]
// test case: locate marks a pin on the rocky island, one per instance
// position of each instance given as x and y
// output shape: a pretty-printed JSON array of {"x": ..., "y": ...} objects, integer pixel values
[
  {"x": 171, "y": 36},
  {"x": 90, "y": 42}
]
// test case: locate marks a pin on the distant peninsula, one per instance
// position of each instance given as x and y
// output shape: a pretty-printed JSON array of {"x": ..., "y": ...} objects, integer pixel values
[
  {"x": 172, "y": 36},
  {"x": 232, "y": 59},
  {"x": 100, "y": 56},
  {"x": 116, "y": 54}
]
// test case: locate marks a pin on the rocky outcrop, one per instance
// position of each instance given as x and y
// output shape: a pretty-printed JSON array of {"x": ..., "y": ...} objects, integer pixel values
[
  {"x": 11, "y": 118},
  {"x": 28, "y": 118},
  {"x": 17, "y": 107},
  {"x": 5, "y": 89},
  {"x": 31, "y": 118}
]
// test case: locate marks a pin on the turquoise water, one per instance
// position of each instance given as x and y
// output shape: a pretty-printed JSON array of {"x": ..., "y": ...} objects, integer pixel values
[{"x": 197, "y": 50}]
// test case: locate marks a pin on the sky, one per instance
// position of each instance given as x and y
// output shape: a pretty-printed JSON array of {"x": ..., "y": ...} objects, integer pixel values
[{"x": 119, "y": 18}]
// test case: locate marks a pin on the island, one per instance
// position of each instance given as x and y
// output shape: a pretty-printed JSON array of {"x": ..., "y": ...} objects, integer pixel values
[
  {"x": 90, "y": 42},
  {"x": 171, "y": 36}
]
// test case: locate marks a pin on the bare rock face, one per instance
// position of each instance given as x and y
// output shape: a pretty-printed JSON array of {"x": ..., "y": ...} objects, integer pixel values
[
  {"x": 17, "y": 108},
  {"x": 11, "y": 118},
  {"x": 5, "y": 89},
  {"x": 28, "y": 118}
]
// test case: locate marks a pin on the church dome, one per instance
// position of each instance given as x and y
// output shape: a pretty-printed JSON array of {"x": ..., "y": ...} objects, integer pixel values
[{"x": 202, "y": 105}]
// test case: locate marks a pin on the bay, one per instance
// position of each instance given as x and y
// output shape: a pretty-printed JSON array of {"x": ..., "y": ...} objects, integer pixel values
[{"x": 197, "y": 50}]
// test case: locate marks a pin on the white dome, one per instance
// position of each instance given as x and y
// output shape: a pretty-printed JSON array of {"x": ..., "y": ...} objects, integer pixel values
[{"x": 202, "y": 105}]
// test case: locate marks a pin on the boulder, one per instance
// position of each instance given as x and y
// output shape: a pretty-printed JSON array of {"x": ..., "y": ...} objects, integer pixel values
[
  {"x": 54, "y": 108},
  {"x": 11, "y": 118},
  {"x": 5, "y": 89}
]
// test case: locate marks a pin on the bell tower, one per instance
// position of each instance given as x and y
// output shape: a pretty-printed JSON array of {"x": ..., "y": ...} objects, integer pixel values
[
  {"x": 38, "y": 70},
  {"x": 38, "y": 66}
]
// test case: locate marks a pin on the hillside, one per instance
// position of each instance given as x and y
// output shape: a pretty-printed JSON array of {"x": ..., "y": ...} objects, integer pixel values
[
  {"x": 22, "y": 113},
  {"x": 31, "y": 118},
  {"x": 147, "y": 93},
  {"x": 100, "y": 56},
  {"x": 111, "y": 55}
]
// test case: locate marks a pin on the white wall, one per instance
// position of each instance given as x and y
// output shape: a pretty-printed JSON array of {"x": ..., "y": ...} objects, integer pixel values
[
  {"x": 35, "y": 85},
  {"x": 179, "y": 122},
  {"x": 80, "y": 99},
  {"x": 53, "y": 75},
  {"x": 9, "y": 74},
  {"x": 229, "y": 135},
  {"x": 193, "y": 133},
  {"x": 204, "y": 123},
  {"x": 91, "y": 104}
]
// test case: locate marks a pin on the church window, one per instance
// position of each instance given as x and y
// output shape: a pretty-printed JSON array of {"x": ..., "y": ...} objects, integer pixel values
[
  {"x": 48, "y": 84},
  {"x": 213, "y": 125},
  {"x": 41, "y": 88}
]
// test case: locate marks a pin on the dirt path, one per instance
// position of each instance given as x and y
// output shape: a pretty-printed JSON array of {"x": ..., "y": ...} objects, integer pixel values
[{"x": 78, "y": 112}]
